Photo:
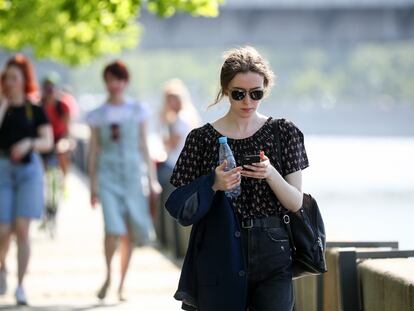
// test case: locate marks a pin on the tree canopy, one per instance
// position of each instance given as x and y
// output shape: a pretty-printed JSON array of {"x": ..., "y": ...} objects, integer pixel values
[{"x": 75, "y": 31}]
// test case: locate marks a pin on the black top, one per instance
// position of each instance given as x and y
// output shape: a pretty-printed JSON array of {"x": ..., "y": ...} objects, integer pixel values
[
  {"x": 19, "y": 123},
  {"x": 200, "y": 157}
]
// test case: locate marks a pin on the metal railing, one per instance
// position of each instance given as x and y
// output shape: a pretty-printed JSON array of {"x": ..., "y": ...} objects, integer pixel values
[{"x": 349, "y": 255}]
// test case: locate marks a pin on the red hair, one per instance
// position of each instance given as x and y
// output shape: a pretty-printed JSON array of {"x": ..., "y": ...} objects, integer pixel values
[
  {"x": 117, "y": 69},
  {"x": 25, "y": 66},
  {"x": 2, "y": 78}
]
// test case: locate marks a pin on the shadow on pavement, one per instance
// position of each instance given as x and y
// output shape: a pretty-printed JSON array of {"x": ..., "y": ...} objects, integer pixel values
[
  {"x": 166, "y": 253},
  {"x": 58, "y": 307}
]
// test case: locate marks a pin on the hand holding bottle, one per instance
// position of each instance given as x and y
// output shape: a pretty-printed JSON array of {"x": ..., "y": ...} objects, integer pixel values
[{"x": 226, "y": 180}]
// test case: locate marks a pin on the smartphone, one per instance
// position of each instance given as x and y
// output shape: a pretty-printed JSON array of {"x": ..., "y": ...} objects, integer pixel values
[{"x": 249, "y": 159}]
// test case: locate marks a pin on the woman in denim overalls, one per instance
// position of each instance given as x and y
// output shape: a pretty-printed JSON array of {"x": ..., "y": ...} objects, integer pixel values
[{"x": 120, "y": 170}]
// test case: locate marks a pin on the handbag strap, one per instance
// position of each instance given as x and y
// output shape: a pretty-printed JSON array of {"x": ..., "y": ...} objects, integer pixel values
[{"x": 285, "y": 217}]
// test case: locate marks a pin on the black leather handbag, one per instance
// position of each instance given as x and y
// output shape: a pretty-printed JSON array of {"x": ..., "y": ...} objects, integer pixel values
[{"x": 306, "y": 231}]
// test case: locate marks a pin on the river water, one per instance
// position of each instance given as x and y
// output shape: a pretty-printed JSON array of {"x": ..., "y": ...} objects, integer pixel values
[{"x": 364, "y": 186}]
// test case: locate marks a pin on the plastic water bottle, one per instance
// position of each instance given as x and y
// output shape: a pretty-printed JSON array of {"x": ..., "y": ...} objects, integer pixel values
[{"x": 225, "y": 153}]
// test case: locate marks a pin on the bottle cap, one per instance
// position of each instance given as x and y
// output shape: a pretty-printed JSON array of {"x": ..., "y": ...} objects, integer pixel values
[{"x": 223, "y": 140}]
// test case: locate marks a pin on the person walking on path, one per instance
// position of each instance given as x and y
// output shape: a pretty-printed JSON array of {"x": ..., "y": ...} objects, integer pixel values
[
  {"x": 59, "y": 115},
  {"x": 239, "y": 257},
  {"x": 178, "y": 117},
  {"x": 24, "y": 133},
  {"x": 119, "y": 168}
]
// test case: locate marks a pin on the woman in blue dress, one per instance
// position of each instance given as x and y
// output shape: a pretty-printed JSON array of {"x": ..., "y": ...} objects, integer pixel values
[{"x": 120, "y": 169}]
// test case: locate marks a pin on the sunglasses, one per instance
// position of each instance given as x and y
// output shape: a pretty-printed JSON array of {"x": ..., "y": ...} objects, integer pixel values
[
  {"x": 241, "y": 94},
  {"x": 115, "y": 132}
]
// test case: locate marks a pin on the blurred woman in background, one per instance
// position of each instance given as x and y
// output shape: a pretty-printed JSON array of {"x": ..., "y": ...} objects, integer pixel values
[
  {"x": 119, "y": 162},
  {"x": 24, "y": 132},
  {"x": 178, "y": 117}
]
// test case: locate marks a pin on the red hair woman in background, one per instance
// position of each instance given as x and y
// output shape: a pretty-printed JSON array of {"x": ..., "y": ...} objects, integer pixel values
[{"x": 24, "y": 133}]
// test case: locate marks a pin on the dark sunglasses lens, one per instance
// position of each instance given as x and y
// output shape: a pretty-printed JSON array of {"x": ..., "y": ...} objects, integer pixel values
[
  {"x": 115, "y": 132},
  {"x": 238, "y": 95},
  {"x": 256, "y": 95}
]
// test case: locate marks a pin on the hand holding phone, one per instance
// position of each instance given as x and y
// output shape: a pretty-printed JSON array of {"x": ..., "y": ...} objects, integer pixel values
[
  {"x": 249, "y": 159},
  {"x": 259, "y": 167}
]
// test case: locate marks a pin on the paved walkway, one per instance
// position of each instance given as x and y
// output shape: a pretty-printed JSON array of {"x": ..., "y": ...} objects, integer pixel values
[{"x": 65, "y": 273}]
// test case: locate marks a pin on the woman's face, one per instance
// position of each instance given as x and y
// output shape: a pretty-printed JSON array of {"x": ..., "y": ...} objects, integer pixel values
[
  {"x": 173, "y": 102},
  {"x": 114, "y": 85},
  {"x": 245, "y": 82},
  {"x": 13, "y": 81},
  {"x": 49, "y": 89}
]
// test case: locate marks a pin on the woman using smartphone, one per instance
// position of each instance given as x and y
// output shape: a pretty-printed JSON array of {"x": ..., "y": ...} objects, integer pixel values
[
  {"x": 241, "y": 262},
  {"x": 24, "y": 133},
  {"x": 119, "y": 162}
]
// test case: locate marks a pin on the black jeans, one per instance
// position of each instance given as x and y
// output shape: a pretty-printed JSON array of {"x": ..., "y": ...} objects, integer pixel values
[{"x": 269, "y": 273}]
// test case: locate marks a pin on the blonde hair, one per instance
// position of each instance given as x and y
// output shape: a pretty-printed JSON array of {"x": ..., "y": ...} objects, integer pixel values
[
  {"x": 243, "y": 60},
  {"x": 187, "y": 111}
]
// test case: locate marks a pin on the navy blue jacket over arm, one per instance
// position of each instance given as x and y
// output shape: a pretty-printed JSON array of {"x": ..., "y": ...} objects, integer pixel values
[{"x": 213, "y": 276}]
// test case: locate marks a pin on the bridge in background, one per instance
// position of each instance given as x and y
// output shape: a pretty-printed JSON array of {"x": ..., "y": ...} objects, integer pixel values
[{"x": 285, "y": 22}]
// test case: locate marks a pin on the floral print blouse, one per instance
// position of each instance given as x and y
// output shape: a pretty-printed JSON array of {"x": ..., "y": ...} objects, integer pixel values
[{"x": 200, "y": 157}]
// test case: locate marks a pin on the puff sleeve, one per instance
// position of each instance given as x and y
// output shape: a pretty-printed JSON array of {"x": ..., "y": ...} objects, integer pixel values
[
  {"x": 189, "y": 164},
  {"x": 294, "y": 157}
]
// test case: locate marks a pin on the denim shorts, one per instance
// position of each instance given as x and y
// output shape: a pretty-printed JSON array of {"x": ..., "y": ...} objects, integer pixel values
[
  {"x": 269, "y": 269},
  {"x": 121, "y": 210},
  {"x": 21, "y": 189}
]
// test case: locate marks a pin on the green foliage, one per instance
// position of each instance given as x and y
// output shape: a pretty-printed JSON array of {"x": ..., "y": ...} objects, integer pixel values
[
  {"x": 76, "y": 31},
  {"x": 379, "y": 71},
  {"x": 167, "y": 8},
  {"x": 378, "y": 74}
]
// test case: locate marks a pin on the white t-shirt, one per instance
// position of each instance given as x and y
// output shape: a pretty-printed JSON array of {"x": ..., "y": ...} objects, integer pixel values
[
  {"x": 109, "y": 113},
  {"x": 180, "y": 127}
]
